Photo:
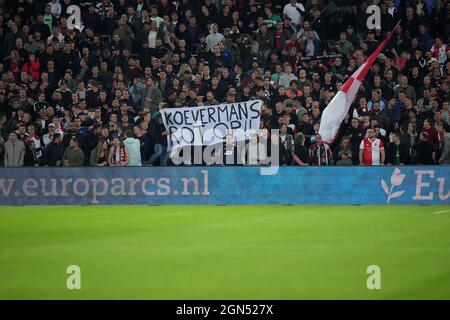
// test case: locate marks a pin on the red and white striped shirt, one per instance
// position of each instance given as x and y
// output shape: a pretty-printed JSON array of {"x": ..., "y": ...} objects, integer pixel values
[
  {"x": 440, "y": 53},
  {"x": 371, "y": 151}
]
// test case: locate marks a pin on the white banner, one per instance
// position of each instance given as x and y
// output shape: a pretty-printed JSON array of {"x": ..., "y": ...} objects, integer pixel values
[{"x": 208, "y": 125}]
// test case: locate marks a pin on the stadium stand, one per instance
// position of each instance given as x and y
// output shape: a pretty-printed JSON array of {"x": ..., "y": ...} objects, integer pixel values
[{"x": 91, "y": 95}]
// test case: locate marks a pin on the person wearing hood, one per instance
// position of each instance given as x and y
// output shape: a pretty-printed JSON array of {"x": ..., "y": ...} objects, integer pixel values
[{"x": 214, "y": 37}]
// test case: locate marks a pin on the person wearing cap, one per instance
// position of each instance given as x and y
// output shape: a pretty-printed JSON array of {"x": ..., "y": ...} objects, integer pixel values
[
  {"x": 382, "y": 57},
  {"x": 431, "y": 61},
  {"x": 54, "y": 152},
  {"x": 48, "y": 138},
  {"x": 353, "y": 36},
  {"x": 371, "y": 42},
  {"x": 59, "y": 128},
  {"x": 66, "y": 93}
]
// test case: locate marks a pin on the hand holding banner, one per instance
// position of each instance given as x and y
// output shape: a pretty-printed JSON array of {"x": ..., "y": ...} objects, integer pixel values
[{"x": 208, "y": 125}]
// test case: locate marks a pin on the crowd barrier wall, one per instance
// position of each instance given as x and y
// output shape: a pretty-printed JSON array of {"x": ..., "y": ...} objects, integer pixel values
[{"x": 225, "y": 185}]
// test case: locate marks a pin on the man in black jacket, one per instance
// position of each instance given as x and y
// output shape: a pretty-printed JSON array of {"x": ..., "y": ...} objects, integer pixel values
[
  {"x": 397, "y": 152},
  {"x": 88, "y": 139},
  {"x": 54, "y": 152},
  {"x": 253, "y": 56},
  {"x": 356, "y": 134},
  {"x": 424, "y": 151},
  {"x": 159, "y": 132}
]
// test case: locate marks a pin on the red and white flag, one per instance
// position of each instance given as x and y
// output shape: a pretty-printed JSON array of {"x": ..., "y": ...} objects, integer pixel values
[{"x": 335, "y": 112}]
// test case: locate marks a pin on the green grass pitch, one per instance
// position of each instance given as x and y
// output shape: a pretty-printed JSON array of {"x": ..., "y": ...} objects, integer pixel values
[{"x": 225, "y": 252}]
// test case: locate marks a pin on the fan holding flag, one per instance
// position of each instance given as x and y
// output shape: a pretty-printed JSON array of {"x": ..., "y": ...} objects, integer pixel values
[{"x": 335, "y": 112}]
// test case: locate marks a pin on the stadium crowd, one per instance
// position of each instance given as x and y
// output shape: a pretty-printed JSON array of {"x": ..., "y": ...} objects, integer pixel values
[{"x": 91, "y": 95}]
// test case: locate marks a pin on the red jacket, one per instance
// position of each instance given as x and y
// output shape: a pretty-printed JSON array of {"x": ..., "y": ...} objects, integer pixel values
[
  {"x": 432, "y": 135},
  {"x": 32, "y": 68}
]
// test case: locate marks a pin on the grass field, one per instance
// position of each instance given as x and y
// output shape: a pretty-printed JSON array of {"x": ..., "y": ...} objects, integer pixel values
[{"x": 232, "y": 252}]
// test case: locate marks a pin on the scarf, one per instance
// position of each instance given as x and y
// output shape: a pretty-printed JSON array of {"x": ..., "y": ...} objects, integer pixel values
[{"x": 118, "y": 156}]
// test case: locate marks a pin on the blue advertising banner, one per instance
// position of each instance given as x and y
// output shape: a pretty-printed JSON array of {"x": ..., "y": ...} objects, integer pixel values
[{"x": 225, "y": 185}]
